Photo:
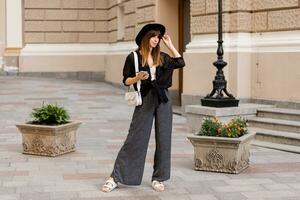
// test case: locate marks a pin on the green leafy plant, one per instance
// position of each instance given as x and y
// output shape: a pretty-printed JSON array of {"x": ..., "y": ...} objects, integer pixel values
[
  {"x": 50, "y": 115},
  {"x": 210, "y": 126},
  {"x": 237, "y": 127}
]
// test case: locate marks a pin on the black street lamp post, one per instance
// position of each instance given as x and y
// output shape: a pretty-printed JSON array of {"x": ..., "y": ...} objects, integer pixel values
[{"x": 216, "y": 97}]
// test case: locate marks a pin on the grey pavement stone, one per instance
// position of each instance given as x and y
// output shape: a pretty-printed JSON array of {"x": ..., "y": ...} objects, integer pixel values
[
  {"x": 105, "y": 122},
  {"x": 237, "y": 188},
  {"x": 277, "y": 186},
  {"x": 35, "y": 196},
  {"x": 199, "y": 189},
  {"x": 173, "y": 197},
  {"x": 202, "y": 196},
  {"x": 14, "y": 183},
  {"x": 294, "y": 185},
  {"x": 286, "y": 180},
  {"x": 284, "y": 198},
  {"x": 253, "y": 181},
  {"x": 269, "y": 194},
  {"x": 230, "y": 196},
  {"x": 10, "y": 197},
  {"x": 38, "y": 189},
  {"x": 63, "y": 195}
]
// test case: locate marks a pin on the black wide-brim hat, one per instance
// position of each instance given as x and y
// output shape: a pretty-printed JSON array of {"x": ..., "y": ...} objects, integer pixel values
[{"x": 148, "y": 27}]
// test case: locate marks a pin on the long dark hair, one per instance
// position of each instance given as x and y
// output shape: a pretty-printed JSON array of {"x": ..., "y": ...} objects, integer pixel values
[{"x": 145, "y": 49}]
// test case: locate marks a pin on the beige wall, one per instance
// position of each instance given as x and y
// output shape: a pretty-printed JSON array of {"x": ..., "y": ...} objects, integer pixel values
[
  {"x": 61, "y": 63},
  {"x": 114, "y": 68},
  {"x": 167, "y": 14},
  {"x": 200, "y": 72},
  {"x": 239, "y": 73},
  {"x": 270, "y": 76},
  {"x": 276, "y": 76}
]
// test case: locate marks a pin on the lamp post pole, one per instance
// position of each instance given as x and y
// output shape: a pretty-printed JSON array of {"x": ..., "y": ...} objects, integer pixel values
[{"x": 216, "y": 98}]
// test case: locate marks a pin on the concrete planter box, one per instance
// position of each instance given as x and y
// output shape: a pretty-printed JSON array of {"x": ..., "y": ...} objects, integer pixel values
[
  {"x": 48, "y": 140},
  {"x": 221, "y": 154}
]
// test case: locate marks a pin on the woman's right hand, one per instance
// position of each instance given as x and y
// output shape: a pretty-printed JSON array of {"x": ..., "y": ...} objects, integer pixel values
[{"x": 142, "y": 75}]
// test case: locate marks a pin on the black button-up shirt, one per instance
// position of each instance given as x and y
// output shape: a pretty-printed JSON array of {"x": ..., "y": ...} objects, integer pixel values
[{"x": 164, "y": 72}]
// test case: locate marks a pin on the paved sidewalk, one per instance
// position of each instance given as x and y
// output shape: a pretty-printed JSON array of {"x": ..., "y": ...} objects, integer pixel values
[{"x": 272, "y": 175}]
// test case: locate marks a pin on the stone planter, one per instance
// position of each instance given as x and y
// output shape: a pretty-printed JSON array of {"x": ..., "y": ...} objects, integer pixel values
[
  {"x": 48, "y": 140},
  {"x": 220, "y": 154}
]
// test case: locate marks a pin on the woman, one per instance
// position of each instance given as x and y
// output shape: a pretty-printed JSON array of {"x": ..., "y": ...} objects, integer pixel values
[{"x": 156, "y": 69}]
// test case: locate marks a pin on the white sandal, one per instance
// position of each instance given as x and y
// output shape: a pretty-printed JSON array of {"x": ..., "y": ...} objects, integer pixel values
[
  {"x": 158, "y": 186},
  {"x": 109, "y": 185}
]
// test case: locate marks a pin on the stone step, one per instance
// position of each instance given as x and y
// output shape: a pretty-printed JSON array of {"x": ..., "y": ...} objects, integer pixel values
[
  {"x": 278, "y": 137},
  {"x": 177, "y": 110},
  {"x": 2, "y": 73},
  {"x": 281, "y": 147},
  {"x": 274, "y": 124},
  {"x": 279, "y": 113}
]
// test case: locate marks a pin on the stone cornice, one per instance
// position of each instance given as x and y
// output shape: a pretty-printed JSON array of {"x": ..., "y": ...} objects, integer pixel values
[
  {"x": 78, "y": 49},
  {"x": 287, "y": 41}
]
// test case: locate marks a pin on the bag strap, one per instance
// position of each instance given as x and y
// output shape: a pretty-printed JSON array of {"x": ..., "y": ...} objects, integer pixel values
[{"x": 136, "y": 66}]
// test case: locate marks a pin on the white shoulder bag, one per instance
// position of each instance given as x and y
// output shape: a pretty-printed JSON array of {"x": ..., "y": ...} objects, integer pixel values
[{"x": 134, "y": 98}]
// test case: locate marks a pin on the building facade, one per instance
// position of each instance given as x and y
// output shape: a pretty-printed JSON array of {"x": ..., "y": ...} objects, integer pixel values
[{"x": 89, "y": 39}]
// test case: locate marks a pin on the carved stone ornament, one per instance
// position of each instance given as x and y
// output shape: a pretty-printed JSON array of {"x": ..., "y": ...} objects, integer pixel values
[
  {"x": 229, "y": 155},
  {"x": 48, "y": 140}
]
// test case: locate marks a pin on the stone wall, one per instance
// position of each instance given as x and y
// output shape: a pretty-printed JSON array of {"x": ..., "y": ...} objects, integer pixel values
[
  {"x": 65, "y": 21},
  {"x": 245, "y": 16},
  {"x": 85, "y": 21},
  {"x": 96, "y": 21}
]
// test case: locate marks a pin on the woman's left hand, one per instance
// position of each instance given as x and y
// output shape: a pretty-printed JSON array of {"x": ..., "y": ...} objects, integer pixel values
[{"x": 167, "y": 40}]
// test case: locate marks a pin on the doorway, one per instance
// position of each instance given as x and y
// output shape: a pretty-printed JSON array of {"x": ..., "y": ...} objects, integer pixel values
[{"x": 184, "y": 34}]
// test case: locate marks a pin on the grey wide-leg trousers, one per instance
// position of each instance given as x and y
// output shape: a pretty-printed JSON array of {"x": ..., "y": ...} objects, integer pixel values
[{"x": 130, "y": 162}]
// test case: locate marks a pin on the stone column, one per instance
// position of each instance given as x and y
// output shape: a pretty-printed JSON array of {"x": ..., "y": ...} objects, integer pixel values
[
  {"x": 2, "y": 32},
  {"x": 14, "y": 35}
]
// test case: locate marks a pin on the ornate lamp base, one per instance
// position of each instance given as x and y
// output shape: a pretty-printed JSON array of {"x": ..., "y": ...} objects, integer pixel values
[{"x": 222, "y": 102}]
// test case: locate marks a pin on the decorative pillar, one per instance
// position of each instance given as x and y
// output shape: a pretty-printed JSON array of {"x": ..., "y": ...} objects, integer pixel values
[{"x": 14, "y": 35}]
